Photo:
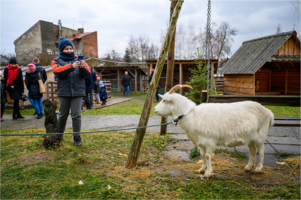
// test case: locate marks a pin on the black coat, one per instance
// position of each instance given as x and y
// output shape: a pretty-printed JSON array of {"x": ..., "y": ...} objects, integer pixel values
[
  {"x": 42, "y": 71},
  {"x": 18, "y": 90},
  {"x": 3, "y": 93},
  {"x": 88, "y": 83},
  {"x": 32, "y": 84},
  {"x": 96, "y": 86},
  {"x": 126, "y": 80},
  {"x": 70, "y": 81}
]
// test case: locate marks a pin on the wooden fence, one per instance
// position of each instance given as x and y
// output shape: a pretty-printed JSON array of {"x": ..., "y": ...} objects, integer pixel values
[{"x": 51, "y": 90}]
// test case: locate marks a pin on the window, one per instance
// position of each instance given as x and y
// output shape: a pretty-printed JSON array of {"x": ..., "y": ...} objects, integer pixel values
[{"x": 49, "y": 52}]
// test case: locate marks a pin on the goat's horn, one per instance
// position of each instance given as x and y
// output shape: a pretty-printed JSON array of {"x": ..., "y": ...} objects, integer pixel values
[{"x": 176, "y": 87}]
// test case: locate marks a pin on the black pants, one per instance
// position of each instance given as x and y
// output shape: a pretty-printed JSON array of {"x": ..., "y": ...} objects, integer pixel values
[
  {"x": 2, "y": 108},
  {"x": 102, "y": 99},
  {"x": 16, "y": 111},
  {"x": 157, "y": 94},
  {"x": 87, "y": 100}
]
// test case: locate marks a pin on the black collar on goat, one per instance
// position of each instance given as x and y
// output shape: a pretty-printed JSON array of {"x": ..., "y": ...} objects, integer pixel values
[{"x": 178, "y": 119}]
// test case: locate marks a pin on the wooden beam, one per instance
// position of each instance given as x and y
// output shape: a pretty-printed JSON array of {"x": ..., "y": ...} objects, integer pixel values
[
  {"x": 292, "y": 65},
  {"x": 170, "y": 67},
  {"x": 136, "y": 80},
  {"x": 270, "y": 80},
  {"x": 138, "y": 139},
  {"x": 181, "y": 77},
  {"x": 277, "y": 65},
  {"x": 286, "y": 74},
  {"x": 273, "y": 100},
  {"x": 141, "y": 82}
]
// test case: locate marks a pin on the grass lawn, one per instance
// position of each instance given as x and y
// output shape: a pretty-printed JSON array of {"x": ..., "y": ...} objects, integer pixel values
[{"x": 30, "y": 172}]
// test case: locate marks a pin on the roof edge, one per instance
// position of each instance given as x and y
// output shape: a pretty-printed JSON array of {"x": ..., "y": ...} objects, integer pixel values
[{"x": 275, "y": 35}]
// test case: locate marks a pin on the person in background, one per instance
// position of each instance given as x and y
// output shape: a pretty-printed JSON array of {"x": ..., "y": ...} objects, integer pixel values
[
  {"x": 149, "y": 80},
  {"x": 126, "y": 81},
  {"x": 70, "y": 75},
  {"x": 14, "y": 85},
  {"x": 87, "y": 97},
  {"x": 43, "y": 73},
  {"x": 3, "y": 99},
  {"x": 97, "y": 89},
  {"x": 103, "y": 93},
  {"x": 31, "y": 81},
  {"x": 93, "y": 79}
]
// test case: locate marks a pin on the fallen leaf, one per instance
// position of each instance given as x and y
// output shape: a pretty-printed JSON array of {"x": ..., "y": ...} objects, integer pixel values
[
  {"x": 280, "y": 163},
  {"x": 79, "y": 155},
  {"x": 123, "y": 155},
  {"x": 109, "y": 187},
  {"x": 53, "y": 195},
  {"x": 80, "y": 182}
]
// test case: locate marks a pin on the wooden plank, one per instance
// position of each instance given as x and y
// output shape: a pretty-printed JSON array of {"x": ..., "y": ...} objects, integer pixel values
[
  {"x": 286, "y": 74},
  {"x": 276, "y": 100},
  {"x": 287, "y": 123}
]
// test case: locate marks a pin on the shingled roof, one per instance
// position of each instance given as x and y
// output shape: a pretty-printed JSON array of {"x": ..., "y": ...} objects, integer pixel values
[{"x": 253, "y": 54}]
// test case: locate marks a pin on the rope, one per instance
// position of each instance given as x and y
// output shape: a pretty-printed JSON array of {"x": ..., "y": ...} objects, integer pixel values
[{"x": 122, "y": 129}]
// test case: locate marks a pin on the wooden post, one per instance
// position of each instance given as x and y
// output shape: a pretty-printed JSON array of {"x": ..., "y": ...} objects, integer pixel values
[
  {"x": 119, "y": 77},
  {"x": 170, "y": 68},
  {"x": 270, "y": 80},
  {"x": 204, "y": 96},
  {"x": 150, "y": 68},
  {"x": 136, "y": 75},
  {"x": 135, "y": 150},
  {"x": 212, "y": 76},
  {"x": 286, "y": 75},
  {"x": 181, "y": 77},
  {"x": 141, "y": 82}
]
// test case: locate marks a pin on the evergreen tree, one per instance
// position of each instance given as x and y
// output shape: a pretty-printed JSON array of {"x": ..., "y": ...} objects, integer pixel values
[
  {"x": 197, "y": 80},
  {"x": 109, "y": 64},
  {"x": 127, "y": 57}
]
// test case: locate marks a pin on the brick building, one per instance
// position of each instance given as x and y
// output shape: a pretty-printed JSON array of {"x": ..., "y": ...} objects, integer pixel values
[{"x": 42, "y": 37}]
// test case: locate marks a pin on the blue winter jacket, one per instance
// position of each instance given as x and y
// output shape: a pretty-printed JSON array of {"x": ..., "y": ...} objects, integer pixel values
[{"x": 103, "y": 92}]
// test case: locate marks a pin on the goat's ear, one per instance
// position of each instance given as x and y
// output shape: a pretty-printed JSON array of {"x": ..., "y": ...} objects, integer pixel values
[
  {"x": 167, "y": 99},
  {"x": 161, "y": 96}
]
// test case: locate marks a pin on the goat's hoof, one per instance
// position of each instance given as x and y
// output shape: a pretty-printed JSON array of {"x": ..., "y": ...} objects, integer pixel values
[
  {"x": 248, "y": 168},
  {"x": 207, "y": 174},
  {"x": 258, "y": 170},
  {"x": 202, "y": 170}
]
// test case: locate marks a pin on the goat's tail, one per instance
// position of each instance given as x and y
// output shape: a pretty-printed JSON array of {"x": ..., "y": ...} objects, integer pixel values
[{"x": 271, "y": 119}]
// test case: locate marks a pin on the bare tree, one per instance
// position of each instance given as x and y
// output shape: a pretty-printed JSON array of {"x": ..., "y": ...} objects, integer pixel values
[
  {"x": 191, "y": 41},
  {"x": 179, "y": 43},
  {"x": 278, "y": 29},
  {"x": 223, "y": 39}
]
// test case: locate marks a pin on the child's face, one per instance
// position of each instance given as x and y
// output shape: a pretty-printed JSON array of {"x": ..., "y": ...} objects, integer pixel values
[{"x": 68, "y": 49}]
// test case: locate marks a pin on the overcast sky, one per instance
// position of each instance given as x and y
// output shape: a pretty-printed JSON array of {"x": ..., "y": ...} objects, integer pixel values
[{"x": 116, "y": 20}]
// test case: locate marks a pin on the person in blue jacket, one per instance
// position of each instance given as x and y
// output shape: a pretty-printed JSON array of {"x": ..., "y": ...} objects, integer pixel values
[
  {"x": 103, "y": 93},
  {"x": 93, "y": 79}
]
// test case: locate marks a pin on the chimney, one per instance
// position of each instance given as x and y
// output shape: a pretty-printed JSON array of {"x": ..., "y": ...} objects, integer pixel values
[{"x": 81, "y": 30}]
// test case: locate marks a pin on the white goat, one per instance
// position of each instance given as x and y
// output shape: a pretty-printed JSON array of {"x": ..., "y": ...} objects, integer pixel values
[{"x": 219, "y": 124}]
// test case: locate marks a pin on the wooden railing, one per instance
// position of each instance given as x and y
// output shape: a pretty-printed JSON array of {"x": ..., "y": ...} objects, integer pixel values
[{"x": 51, "y": 90}]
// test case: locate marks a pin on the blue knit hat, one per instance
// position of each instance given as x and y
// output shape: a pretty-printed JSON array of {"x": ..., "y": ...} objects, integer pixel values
[
  {"x": 63, "y": 42},
  {"x": 101, "y": 83}
]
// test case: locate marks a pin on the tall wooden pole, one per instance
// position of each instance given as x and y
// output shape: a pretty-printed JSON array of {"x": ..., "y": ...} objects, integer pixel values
[
  {"x": 135, "y": 150},
  {"x": 170, "y": 67}
]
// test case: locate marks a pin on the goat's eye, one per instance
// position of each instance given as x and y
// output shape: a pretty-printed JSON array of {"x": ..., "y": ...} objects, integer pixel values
[{"x": 164, "y": 101}]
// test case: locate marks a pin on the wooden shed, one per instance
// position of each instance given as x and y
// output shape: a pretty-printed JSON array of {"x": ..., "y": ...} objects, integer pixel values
[
  {"x": 181, "y": 73},
  {"x": 114, "y": 74},
  {"x": 266, "y": 65}
]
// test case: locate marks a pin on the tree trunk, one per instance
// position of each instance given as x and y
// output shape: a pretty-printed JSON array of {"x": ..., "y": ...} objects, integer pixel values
[
  {"x": 135, "y": 150},
  {"x": 170, "y": 67}
]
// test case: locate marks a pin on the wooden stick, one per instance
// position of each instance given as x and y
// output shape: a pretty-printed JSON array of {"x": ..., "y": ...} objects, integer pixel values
[
  {"x": 135, "y": 150},
  {"x": 170, "y": 67}
]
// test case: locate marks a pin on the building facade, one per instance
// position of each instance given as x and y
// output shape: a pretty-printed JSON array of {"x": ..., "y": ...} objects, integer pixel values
[{"x": 42, "y": 39}]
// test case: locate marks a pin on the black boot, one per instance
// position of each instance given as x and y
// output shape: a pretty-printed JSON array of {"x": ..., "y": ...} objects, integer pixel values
[
  {"x": 35, "y": 113},
  {"x": 14, "y": 116},
  {"x": 77, "y": 140},
  {"x": 40, "y": 116}
]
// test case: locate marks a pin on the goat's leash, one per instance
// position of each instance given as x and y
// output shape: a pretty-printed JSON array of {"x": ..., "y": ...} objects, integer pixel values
[{"x": 122, "y": 129}]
